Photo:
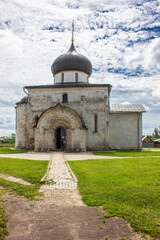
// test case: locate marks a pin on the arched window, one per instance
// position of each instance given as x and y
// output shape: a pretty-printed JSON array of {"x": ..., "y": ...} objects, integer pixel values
[
  {"x": 76, "y": 77},
  {"x": 95, "y": 123},
  {"x": 65, "y": 97},
  {"x": 62, "y": 77}
]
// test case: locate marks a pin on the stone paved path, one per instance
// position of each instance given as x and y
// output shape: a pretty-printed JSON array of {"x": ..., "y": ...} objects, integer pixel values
[
  {"x": 14, "y": 179},
  {"x": 59, "y": 174},
  {"x": 28, "y": 155}
]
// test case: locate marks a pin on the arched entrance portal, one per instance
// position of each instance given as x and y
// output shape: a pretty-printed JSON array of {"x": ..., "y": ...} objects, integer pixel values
[
  {"x": 60, "y": 138},
  {"x": 56, "y": 122}
]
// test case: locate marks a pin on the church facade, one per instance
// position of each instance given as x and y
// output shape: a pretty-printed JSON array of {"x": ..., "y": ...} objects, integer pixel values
[{"x": 75, "y": 115}]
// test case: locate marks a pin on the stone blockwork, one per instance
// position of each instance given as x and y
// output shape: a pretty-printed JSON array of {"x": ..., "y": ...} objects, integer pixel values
[
  {"x": 45, "y": 111},
  {"x": 125, "y": 131},
  {"x": 21, "y": 126}
]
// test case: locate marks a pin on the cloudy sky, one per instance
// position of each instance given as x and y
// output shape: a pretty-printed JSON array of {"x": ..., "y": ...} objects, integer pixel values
[{"x": 120, "y": 37}]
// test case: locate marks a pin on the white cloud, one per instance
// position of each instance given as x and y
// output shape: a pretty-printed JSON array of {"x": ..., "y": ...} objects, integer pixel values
[
  {"x": 156, "y": 92},
  {"x": 10, "y": 45},
  {"x": 7, "y": 121},
  {"x": 110, "y": 33},
  {"x": 147, "y": 55},
  {"x": 154, "y": 51},
  {"x": 124, "y": 103}
]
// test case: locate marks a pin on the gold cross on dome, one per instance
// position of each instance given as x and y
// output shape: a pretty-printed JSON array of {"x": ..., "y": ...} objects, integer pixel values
[{"x": 72, "y": 31}]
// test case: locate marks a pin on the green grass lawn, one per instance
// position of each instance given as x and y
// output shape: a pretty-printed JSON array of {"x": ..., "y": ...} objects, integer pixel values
[
  {"x": 7, "y": 145},
  {"x": 30, "y": 170},
  {"x": 3, "y": 219},
  {"x": 5, "y": 150},
  {"x": 127, "y": 188},
  {"x": 128, "y": 153},
  {"x": 30, "y": 192}
]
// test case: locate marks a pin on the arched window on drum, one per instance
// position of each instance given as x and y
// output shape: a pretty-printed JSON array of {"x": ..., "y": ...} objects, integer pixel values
[{"x": 76, "y": 77}]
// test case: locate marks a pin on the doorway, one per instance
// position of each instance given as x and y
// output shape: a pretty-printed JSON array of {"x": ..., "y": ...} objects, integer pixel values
[{"x": 60, "y": 138}]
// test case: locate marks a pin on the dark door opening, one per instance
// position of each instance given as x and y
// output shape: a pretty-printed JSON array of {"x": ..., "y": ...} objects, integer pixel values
[{"x": 60, "y": 138}]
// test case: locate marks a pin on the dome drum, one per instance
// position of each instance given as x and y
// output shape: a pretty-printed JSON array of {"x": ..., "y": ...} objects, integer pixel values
[{"x": 70, "y": 76}]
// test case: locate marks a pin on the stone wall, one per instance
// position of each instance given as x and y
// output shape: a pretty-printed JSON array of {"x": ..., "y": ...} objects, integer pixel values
[
  {"x": 21, "y": 126},
  {"x": 125, "y": 130},
  {"x": 86, "y": 102}
]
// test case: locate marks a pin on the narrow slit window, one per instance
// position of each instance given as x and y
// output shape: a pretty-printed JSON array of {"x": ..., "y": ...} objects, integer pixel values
[
  {"x": 62, "y": 77},
  {"x": 95, "y": 123},
  {"x": 65, "y": 97},
  {"x": 76, "y": 77}
]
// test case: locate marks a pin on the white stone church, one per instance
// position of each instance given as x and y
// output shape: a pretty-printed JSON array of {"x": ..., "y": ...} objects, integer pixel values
[{"x": 75, "y": 115}]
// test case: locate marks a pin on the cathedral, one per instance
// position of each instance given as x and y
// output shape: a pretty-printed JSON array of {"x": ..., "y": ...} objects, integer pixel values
[{"x": 73, "y": 114}]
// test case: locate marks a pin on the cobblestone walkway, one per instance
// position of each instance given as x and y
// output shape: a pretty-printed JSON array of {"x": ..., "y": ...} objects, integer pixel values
[{"x": 59, "y": 175}]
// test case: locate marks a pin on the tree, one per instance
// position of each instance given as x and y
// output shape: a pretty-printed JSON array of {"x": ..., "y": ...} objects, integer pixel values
[{"x": 155, "y": 133}]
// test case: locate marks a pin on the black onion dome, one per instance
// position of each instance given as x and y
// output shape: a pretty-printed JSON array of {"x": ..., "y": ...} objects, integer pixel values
[{"x": 71, "y": 61}]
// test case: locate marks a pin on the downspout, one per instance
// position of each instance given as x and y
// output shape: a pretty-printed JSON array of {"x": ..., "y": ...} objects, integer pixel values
[
  {"x": 138, "y": 133},
  {"x": 108, "y": 115},
  {"x": 16, "y": 128},
  {"x": 24, "y": 90}
]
